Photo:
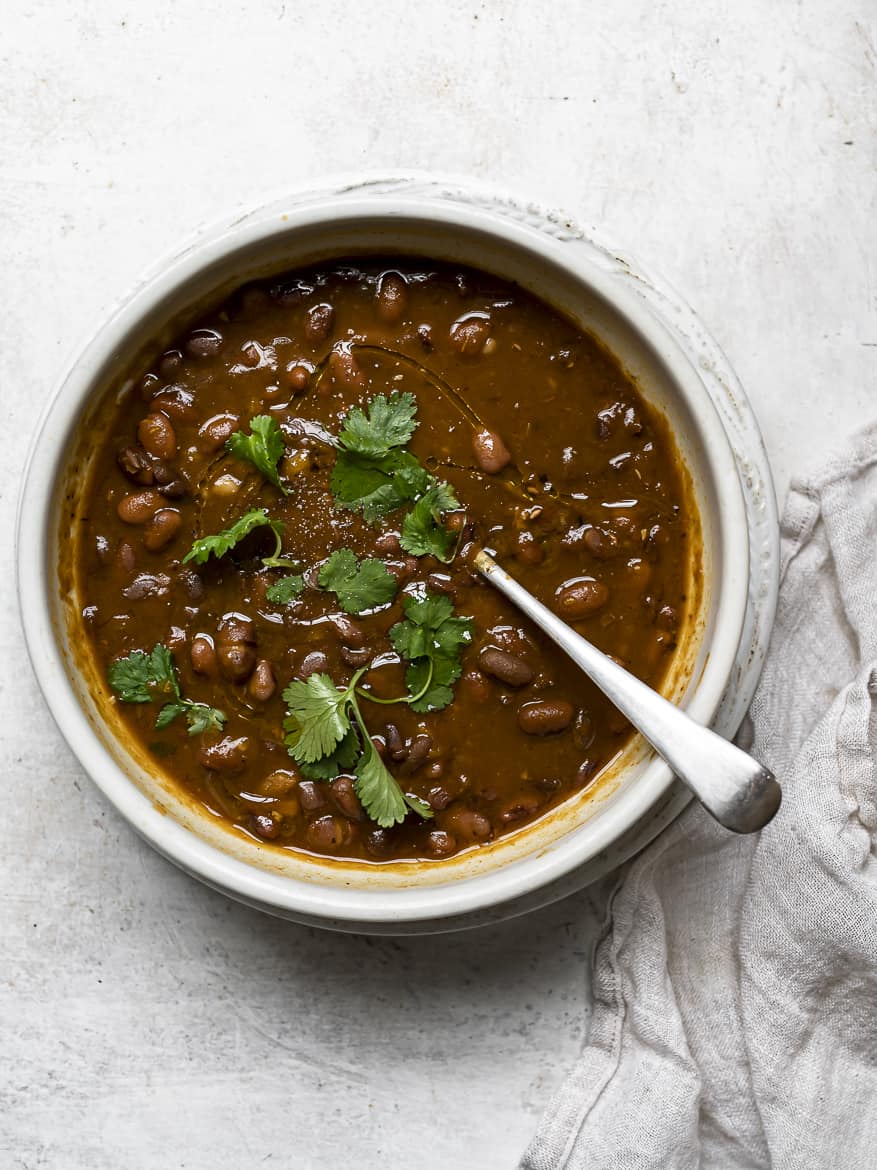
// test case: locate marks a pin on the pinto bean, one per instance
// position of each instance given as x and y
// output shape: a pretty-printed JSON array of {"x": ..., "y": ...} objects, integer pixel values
[
  {"x": 157, "y": 436},
  {"x": 262, "y": 684},
  {"x": 378, "y": 842},
  {"x": 328, "y": 833},
  {"x": 519, "y": 808},
  {"x": 311, "y": 795},
  {"x": 174, "y": 489},
  {"x": 418, "y": 750},
  {"x": 388, "y": 544},
  {"x": 667, "y": 617},
  {"x": 395, "y": 744},
  {"x": 277, "y": 784},
  {"x": 138, "y": 507},
  {"x": 298, "y": 377},
  {"x": 348, "y": 631},
  {"x": 545, "y": 716},
  {"x": 202, "y": 655},
  {"x": 491, "y": 453},
  {"x": 392, "y": 297},
  {"x": 229, "y": 755},
  {"x": 177, "y": 403},
  {"x": 235, "y": 648},
  {"x": 314, "y": 663},
  {"x": 345, "y": 797},
  {"x": 600, "y": 543},
  {"x": 580, "y": 598},
  {"x": 136, "y": 465},
  {"x": 345, "y": 369},
  {"x": 529, "y": 551},
  {"x": 355, "y": 658},
  {"x": 213, "y": 433},
  {"x": 469, "y": 333},
  {"x": 265, "y": 826},
  {"x": 161, "y": 529},
  {"x": 441, "y": 844},
  {"x": 319, "y": 320},
  {"x": 469, "y": 825},
  {"x": 126, "y": 557},
  {"x": 507, "y": 668},
  {"x": 583, "y": 731},
  {"x": 476, "y": 686}
]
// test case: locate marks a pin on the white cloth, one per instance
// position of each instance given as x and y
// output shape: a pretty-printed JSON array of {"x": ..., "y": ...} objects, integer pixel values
[{"x": 735, "y": 1023}]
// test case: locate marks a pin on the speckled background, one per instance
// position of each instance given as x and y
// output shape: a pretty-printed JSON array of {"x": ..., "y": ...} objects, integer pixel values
[{"x": 146, "y": 1022}]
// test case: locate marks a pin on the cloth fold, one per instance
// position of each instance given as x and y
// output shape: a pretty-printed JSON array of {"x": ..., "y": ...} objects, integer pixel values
[{"x": 735, "y": 983}]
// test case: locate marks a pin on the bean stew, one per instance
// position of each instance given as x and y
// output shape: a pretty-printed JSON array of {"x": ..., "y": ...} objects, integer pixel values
[{"x": 274, "y": 559}]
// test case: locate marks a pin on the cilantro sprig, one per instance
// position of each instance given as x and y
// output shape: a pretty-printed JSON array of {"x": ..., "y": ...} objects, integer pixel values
[
  {"x": 325, "y": 729},
  {"x": 358, "y": 585},
  {"x": 375, "y": 475},
  {"x": 142, "y": 678},
  {"x": 223, "y": 542},
  {"x": 431, "y": 641},
  {"x": 326, "y": 734},
  {"x": 263, "y": 447}
]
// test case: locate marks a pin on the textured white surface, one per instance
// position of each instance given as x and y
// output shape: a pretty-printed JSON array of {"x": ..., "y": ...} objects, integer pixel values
[{"x": 144, "y": 1021}]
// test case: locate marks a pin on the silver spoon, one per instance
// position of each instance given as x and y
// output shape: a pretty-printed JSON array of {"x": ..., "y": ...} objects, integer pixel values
[{"x": 740, "y": 793}]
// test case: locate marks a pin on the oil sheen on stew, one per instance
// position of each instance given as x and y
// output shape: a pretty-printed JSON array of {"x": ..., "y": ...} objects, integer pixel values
[{"x": 408, "y": 413}]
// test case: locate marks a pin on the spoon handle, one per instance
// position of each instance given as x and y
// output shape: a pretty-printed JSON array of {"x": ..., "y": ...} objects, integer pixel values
[{"x": 740, "y": 793}]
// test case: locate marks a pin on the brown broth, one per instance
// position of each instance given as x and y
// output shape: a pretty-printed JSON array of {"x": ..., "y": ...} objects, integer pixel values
[{"x": 593, "y": 492}]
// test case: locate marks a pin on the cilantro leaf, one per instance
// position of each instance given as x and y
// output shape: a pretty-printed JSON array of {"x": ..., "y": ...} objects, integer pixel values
[
  {"x": 357, "y": 585},
  {"x": 141, "y": 677},
  {"x": 432, "y": 640},
  {"x": 222, "y": 542},
  {"x": 201, "y": 717},
  {"x": 317, "y": 721},
  {"x": 168, "y": 714},
  {"x": 375, "y": 486},
  {"x": 341, "y": 760},
  {"x": 136, "y": 677},
  {"x": 285, "y": 590},
  {"x": 388, "y": 424},
  {"x": 379, "y": 791},
  {"x": 263, "y": 447},
  {"x": 422, "y": 530}
]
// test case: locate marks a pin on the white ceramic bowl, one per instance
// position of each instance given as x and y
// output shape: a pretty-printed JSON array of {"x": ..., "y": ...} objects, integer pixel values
[{"x": 405, "y": 896}]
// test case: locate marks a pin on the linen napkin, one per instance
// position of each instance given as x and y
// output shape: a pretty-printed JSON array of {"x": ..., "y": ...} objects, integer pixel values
[{"x": 735, "y": 1023}]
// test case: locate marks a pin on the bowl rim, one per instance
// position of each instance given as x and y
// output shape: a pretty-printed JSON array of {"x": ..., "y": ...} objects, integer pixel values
[{"x": 36, "y": 577}]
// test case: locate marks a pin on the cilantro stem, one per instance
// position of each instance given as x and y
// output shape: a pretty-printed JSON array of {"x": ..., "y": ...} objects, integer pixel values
[
  {"x": 276, "y": 561},
  {"x": 402, "y": 698}
]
